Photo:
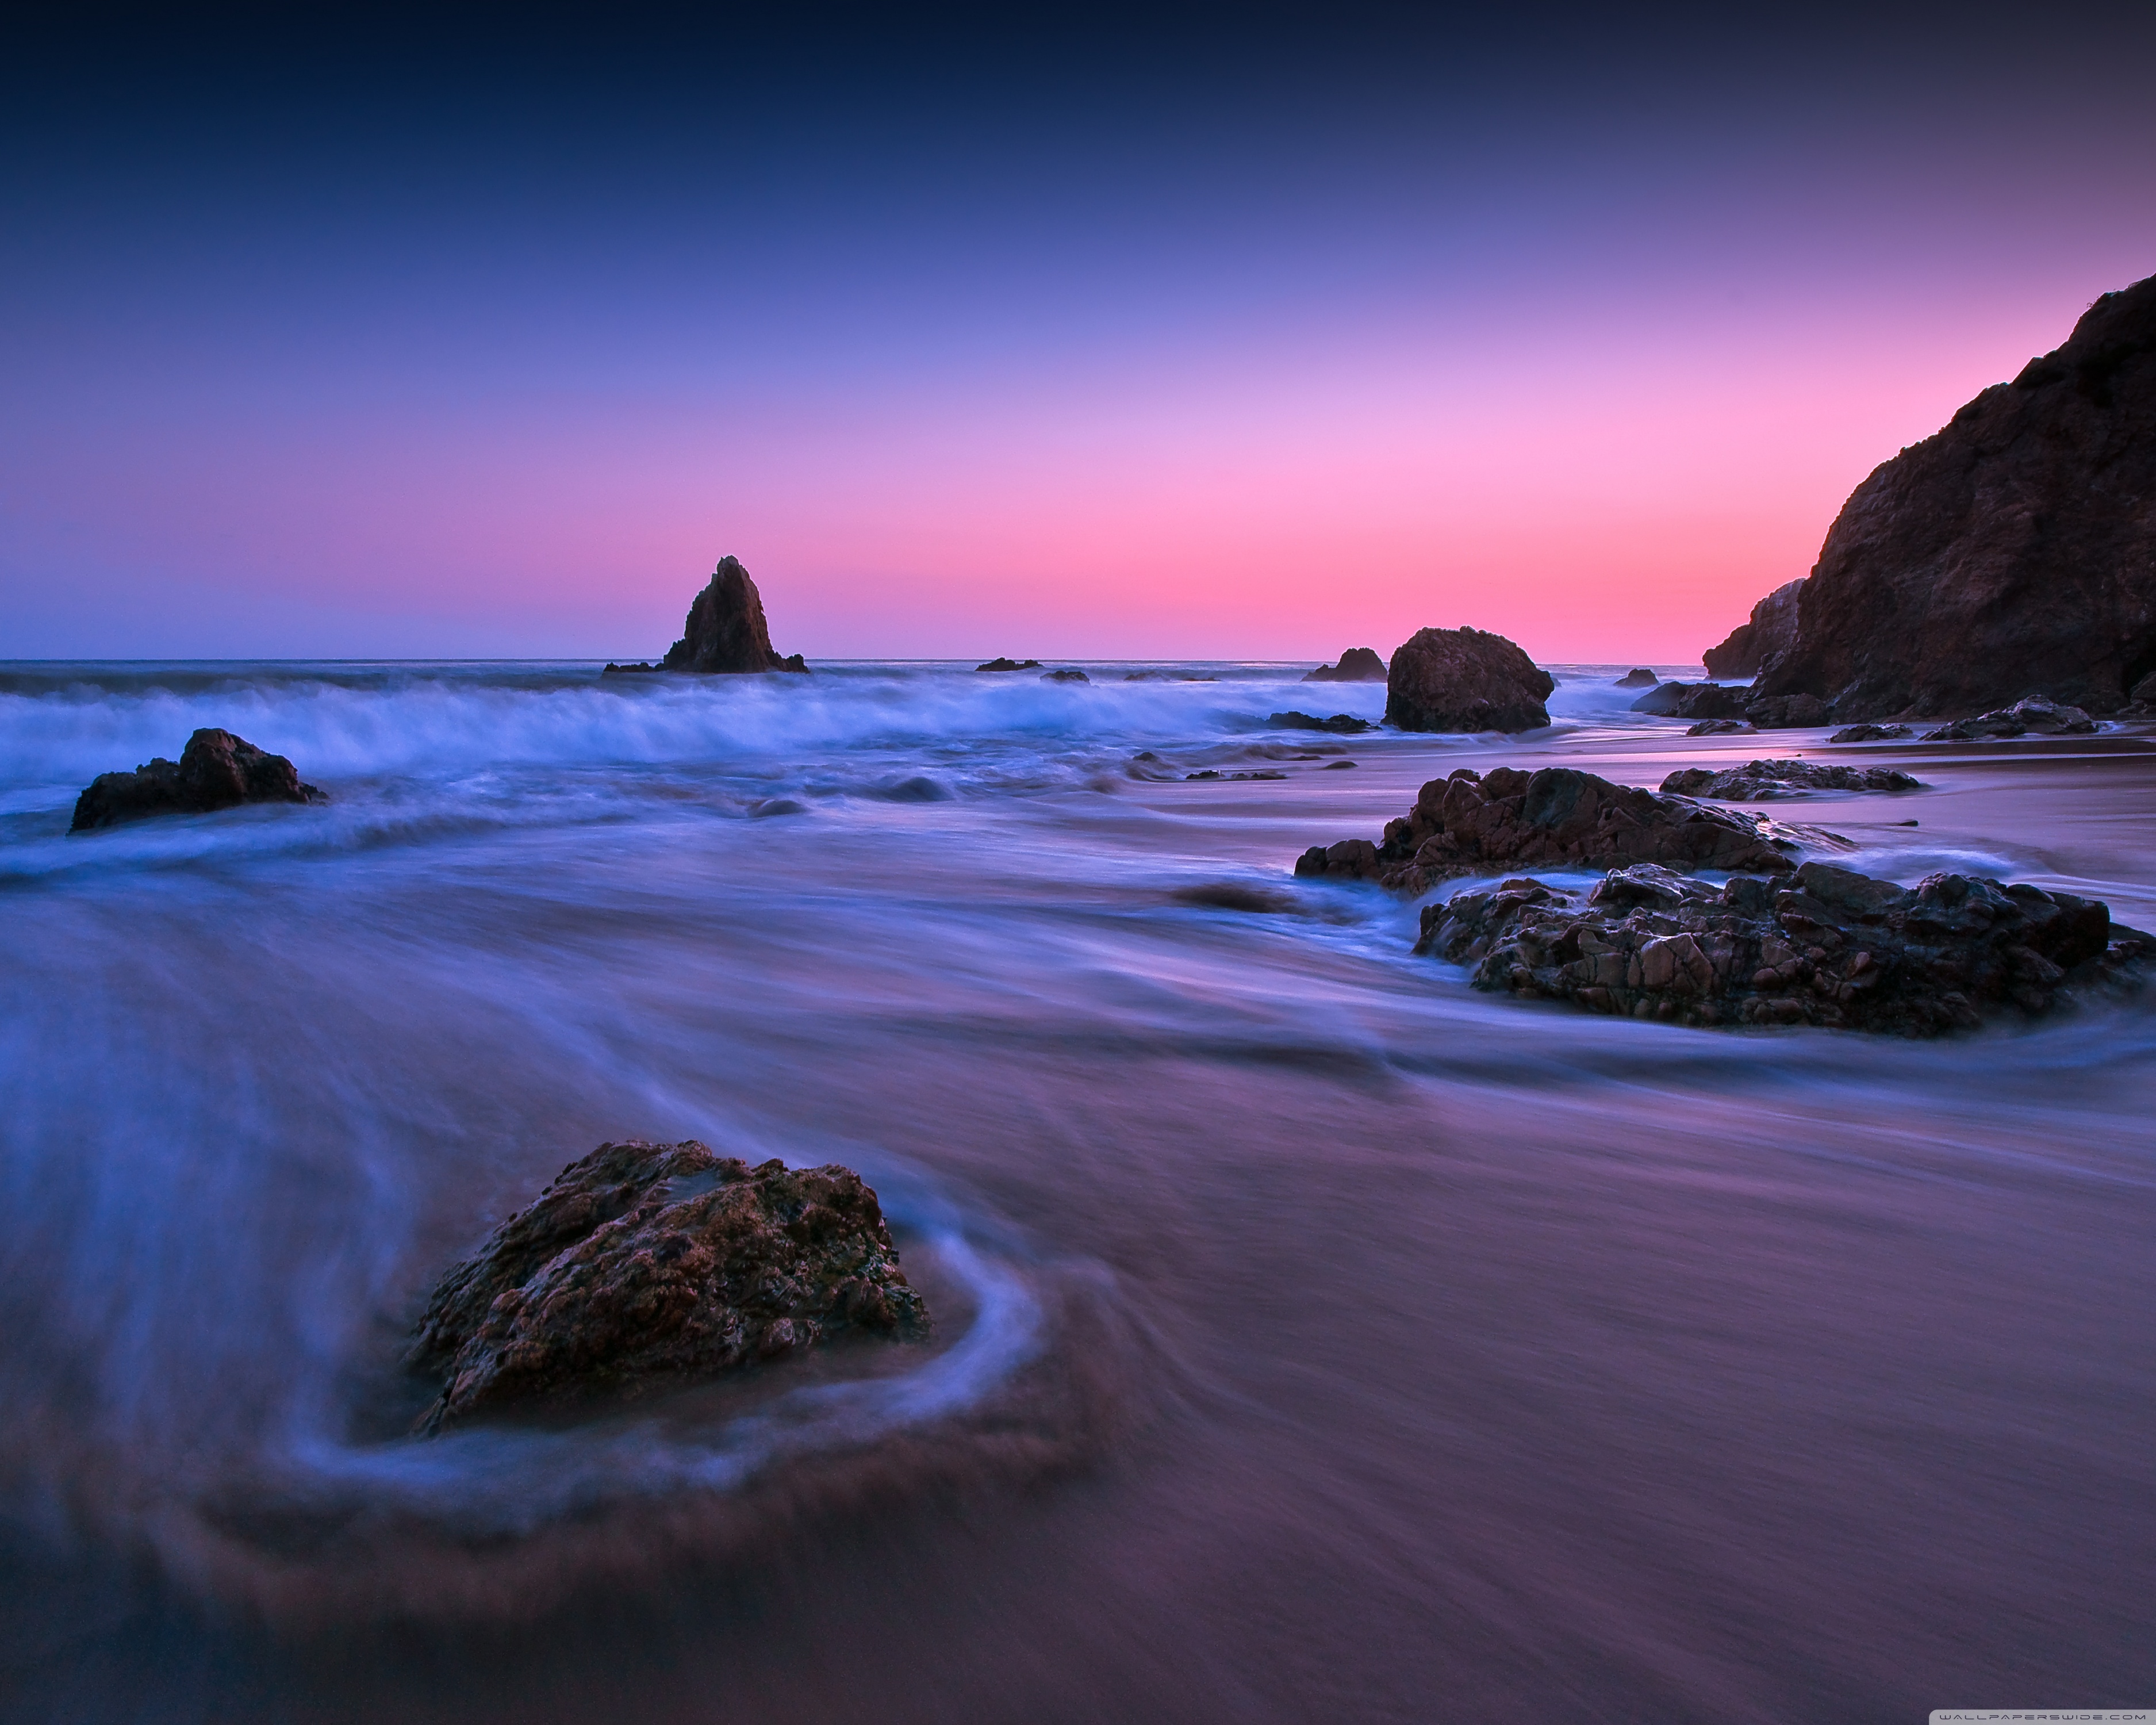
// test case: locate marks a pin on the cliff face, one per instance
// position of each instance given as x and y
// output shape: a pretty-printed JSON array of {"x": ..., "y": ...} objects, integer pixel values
[
  {"x": 2013, "y": 553},
  {"x": 1771, "y": 629}
]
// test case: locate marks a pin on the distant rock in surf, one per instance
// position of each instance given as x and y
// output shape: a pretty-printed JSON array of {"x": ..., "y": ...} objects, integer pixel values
[
  {"x": 1830, "y": 948},
  {"x": 1771, "y": 629},
  {"x": 1358, "y": 665},
  {"x": 1640, "y": 678},
  {"x": 216, "y": 770},
  {"x": 1465, "y": 680},
  {"x": 1064, "y": 675},
  {"x": 1559, "y": 817},
  {"x": 647, "y": 1263},
  {"x": 1010, "y": 664},
  {"x": 1766, "y": 781},
  {"x": 724, "y": 632},
  {"x": 1346, "y": 724}
]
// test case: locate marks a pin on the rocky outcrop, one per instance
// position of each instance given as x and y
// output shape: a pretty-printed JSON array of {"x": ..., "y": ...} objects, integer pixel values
[
  {"x": 1358, "y": 665},
  {"x": 1638, "y": 678},
  {"x": 1869, "y": 733},
  {"x": 1465, "y": 680},
  {"x": 216, "y": 770},
  {"x": 1830, "y": 948},
  {"x": 648, "y": 1263},
  {"x": 2045, "y": 717},
  {"x": 1345, "y": 724},
  {"x": 1558, "y": 817},
  {"x": 1718, "y": 701},
  {"x": 1010, "y": 664},
  {"x": 2012, "y": 553},
  {"x": 1771, "y": 629},
  {"x": 726, "y": 632},
  {"x": 1064, "y": 675},
  {"x": 1768, "y": 781}
]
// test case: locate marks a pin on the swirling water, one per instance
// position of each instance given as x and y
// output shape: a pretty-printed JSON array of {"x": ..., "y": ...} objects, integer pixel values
[{"x": 1318, "y": 1338}]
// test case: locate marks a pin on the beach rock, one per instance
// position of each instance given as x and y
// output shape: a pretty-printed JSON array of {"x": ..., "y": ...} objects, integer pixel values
[
  {"x": 1771, "y": 629},
  {"x": 1065, "y": 677},
  {"x": 1018, "y": 665},
  {"x": 1358, "y": 665},
  {"x": 1694, "y": 700},
  {"x": 1347, "y": 724},
  {"x": 1764, "y": 781},
  {"x": 650, "y": 1263},
  {"x": 1829, "y": 947},
  {"x": 1558, "y": 817},
  {"x": 1641, "y": 678},
  {"x": 1465, "y": 680},
  {"x": 2012, "y": 553},
  {"x": 1214, "y": 773},
  {"x": 1722, "y": 727},
  {"x": 216, "y": 770},
  {"x": 2045, "y": 717},
  {"x": 726, "y": 631},
  {"x": 1869, "y": 733}
]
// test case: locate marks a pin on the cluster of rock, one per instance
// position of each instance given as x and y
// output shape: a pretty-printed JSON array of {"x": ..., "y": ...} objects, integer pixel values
[
  {"x": 1767, "y": 781},
  {"x": 1771, "y": 629},
  {"x": 1358, "y": 665},
  {"x": 216, "y": 770},
  {"x": 725, "y": 631},
  {"x": 1465, "y": 680},
  {"x": 1830, "y": 948},
  {"x": 2045, "y": 717},
  {"x": 1719, "y": 703},
  {"x": 1557, "y": 817},
  {"x": 1065, "y": 675},
  {"x": 1346, "y": 724},
  {"x": 2012, "y": 553},
  {"x": 644, "y": 1263},
  {"x": 1010, "y": 664}
]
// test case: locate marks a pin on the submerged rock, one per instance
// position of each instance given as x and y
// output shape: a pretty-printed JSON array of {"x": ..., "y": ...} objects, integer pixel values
[
  {"x": 1465, "y": 680},
  {"x": 1358, "y": 665},
  {"x": 1346, "y": 724},
  {"x": 216, "y": 770},
  {"x": 1559, "y": 817},
  {"x": 1065, "y": 676},
  {"x": 1010, "y": 664},
  {"x": 646, "y": 1263},
  {"x": 726, "y": 632},
  {"x": 1638, "y": 678},
  {"x": 1869, "y": 733},
  {"x": 1771, "y": 629},
  {"x": 1831, "y": 948},
  {"x": 2045, "y": 717},
  {"x": 1764, "y": 781}
]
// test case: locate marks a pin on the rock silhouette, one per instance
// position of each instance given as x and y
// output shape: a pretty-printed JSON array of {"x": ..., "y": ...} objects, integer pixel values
[
  {"x": 2012, "y": 553},
  {"x": 1771, "y": 629},
  {"x": 216, "y": 770},
  {"x": 643, "y": 1263},
  {"x": 1358, "y": 665},
  {"x": 724, "y": 632},
  {"x": 1639, "y": 678},
  {"x": 1465, "y": 680}
]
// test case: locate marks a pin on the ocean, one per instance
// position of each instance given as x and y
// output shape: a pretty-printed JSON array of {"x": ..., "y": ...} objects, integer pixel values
[{"x": 1317, "y": 1338}]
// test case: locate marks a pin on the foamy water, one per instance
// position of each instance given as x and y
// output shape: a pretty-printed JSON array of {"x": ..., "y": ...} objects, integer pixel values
[{"x": 1316, "y": 1334}]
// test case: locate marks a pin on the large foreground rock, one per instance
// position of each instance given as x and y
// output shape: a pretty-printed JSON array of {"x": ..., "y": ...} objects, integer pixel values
[
  {"x": 1558, "y": 817},
  {"x": 1830, "y": 948},
  {"x": 1465, "y": 680},
  {"x": 1771, "y": 629},
  {"x": 644, "y": 1263},
  {"x": 216, "y": 770},
  {"x": 1358, "y": 665},
  {"x": 726, "y": 631},
  {"x": 2012, "y": 553},
  {"x": 1767, "y": 781}
]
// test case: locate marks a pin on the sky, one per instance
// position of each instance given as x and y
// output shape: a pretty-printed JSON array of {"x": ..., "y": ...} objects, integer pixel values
[{"x": 1249, "y": 332}]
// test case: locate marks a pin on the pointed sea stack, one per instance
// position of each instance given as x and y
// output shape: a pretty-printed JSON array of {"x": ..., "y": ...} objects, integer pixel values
[{"x": 726, "y": 631}]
